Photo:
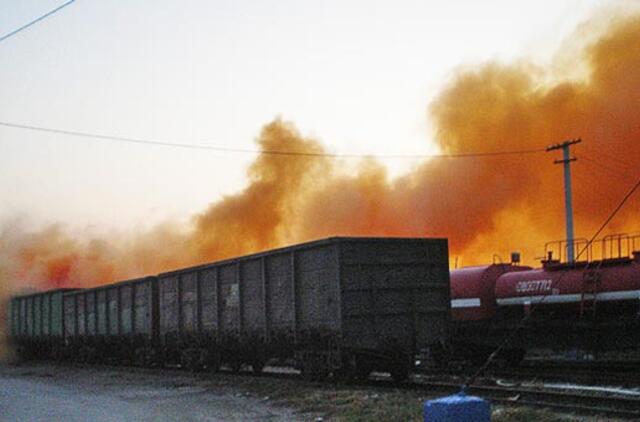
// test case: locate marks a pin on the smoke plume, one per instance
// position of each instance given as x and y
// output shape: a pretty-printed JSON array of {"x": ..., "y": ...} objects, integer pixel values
[{"x": 483, "y": 205}]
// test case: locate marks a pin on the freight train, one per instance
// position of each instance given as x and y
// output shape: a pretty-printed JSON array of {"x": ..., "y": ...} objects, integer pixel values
[
  {"x": 338, "y": 306},
  {"x": 343, "y": 306}
]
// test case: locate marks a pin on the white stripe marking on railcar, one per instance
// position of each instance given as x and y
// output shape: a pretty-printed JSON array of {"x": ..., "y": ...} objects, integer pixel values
[
  {"x": 621, "y": 295},
  {"x": 551, "y": 299},
  {"x": 537, "y": 299},
  {"x": 465, "y": 303}
]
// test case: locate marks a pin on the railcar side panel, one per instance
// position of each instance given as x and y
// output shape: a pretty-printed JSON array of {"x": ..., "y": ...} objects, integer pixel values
[
  {"x": 23, "y": 317},
  {"x": 279, "y": 275},
  {"x": 37, "y": 315},
  {"x": 229, "y": 299},
  {"x": 14, "y": 317},
  {"x": 253, "y": 304},
  {"x": 57, "y": 315},
  {"x": 90, "y": 303},
  {"x": 188, "y": 302},
  {"x": 22, "y": 312},
  {"x": 17, "y": 321},
  {"x": 81, "y": 314},
  {"x": 29, "y": 316},
  {"x": 394, "y": 293},
  {"x": 209, "y": 299},
  {"x": 113, "y": 300},
  {"x": 70, "y": 316},
  {"x": 142, "y": 308},
  {"x": 102, "y": 309},
  {"x": 169, "y": 315},
  {"x": 46, "y": 315},
  {"x": 316, "y": 274},
  {"x": 126, "y": 314}
]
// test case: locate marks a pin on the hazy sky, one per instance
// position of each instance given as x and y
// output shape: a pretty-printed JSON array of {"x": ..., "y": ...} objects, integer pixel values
[{"x": 358, "y": 75}]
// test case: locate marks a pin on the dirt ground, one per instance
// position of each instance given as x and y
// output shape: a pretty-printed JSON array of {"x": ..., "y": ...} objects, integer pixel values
[
  {"x": 65, "y": 393},
  {"x": 46, "y": 392}
]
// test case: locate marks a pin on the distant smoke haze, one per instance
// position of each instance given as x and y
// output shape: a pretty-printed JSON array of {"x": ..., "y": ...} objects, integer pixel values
[{"x": 482, "y": 205}]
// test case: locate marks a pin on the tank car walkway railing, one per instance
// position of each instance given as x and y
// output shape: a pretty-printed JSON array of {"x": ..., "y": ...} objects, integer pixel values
[{"x": 616, "y": 246}]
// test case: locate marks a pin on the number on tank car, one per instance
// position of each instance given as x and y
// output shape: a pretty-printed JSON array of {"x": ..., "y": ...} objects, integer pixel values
[{"x": 533, "y": 286}]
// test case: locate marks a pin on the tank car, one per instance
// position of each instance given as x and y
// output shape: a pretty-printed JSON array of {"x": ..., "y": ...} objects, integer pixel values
[
  {"x": 592, "y": 305},
  {"x": 476, "y": 330}
]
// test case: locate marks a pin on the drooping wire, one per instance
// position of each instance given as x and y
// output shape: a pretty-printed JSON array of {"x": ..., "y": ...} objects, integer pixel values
[
  {"x": 33, "y": 22},
  {"x": 524, "y": 320},
  {"x": 613, "y": 214},
  {"x": 627, "y": 166},
  {"x": 601, "y": 166},
  {"x": 152, "y": 142}
]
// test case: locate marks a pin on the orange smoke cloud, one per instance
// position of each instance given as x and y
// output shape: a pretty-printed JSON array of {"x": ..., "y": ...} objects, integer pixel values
[
  {"x": 483, "y": 205},
  {"x": 510, "y": 107},
  {"x": 498, "y": 204},
  {"x": 260, "y": 216},
  {"x": 256, "y": 218}
]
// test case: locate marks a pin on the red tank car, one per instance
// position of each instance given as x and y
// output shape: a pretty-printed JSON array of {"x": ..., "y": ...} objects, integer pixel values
[
  {"x": 473, "y": 290},
  {"x": 586, "y": 305},
  {"x": 608, "y": 287},
  {"x": 473, "y": 310}
]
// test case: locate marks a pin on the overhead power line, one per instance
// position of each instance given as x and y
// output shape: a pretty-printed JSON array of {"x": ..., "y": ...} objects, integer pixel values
[
  {"x": 33, "y": 22},
  {"x": 601, "y": 166},
  {"x": 610, "y": 217},
  {"x": 153, "y": 142},
  {"x": 600, "y": 152}
]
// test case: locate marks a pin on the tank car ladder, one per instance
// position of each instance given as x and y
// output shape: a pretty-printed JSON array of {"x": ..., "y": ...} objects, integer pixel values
[{"x": 588, "y": 297}]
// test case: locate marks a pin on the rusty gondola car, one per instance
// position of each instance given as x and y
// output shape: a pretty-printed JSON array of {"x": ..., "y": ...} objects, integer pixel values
[
  {"x": 342, "y": 306},
  {"x": 339, "y": 305},
  {"x": 37, "y": 324},
  {"x": 114, "y": 323}
]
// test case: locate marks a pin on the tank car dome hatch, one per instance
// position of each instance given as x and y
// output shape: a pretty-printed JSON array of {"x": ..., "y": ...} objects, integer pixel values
[{"x": 472, "y": 290}]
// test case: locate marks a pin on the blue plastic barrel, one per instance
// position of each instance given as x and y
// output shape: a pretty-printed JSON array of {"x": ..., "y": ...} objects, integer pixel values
[{"x": 457, "y": 408}]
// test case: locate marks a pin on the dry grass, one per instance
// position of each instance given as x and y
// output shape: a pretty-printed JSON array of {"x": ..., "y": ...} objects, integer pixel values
[{"x": 344, "y": 403}]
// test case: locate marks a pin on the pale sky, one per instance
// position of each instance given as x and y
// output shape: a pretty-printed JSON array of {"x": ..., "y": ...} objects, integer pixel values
[{"x": 357, "y": 75}]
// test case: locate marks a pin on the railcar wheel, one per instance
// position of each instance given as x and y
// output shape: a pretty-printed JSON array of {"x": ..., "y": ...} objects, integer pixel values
[
  {"x": 235, "y": 366},
  {"x": 314, "y": 368},
  {"x": 399, "y": 373},
  {"x": 363, "y": 369},
  {"x": 153, "y": 358},
  {"x": 191, "y": 360},
  {"x": 140, "y": 357},
  {"x": 213, "y": 362},
  {"x": 258, "y": 365}
]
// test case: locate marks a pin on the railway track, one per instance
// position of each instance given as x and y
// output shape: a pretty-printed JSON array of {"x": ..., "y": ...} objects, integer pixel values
[
  {"x": 618, "y": 374},
  {"x": 606, "y": 388},
  {"x": 626, "y": 407},
  {"x": 578, "y": 402}
]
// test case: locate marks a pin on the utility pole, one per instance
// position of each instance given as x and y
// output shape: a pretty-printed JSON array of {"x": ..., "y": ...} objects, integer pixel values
[{"x": 568, "y": 203}]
